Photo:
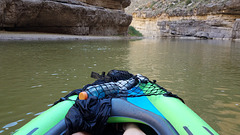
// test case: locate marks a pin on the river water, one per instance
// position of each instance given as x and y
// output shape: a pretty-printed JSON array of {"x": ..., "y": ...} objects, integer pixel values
[{"x": 205, "y": 73}]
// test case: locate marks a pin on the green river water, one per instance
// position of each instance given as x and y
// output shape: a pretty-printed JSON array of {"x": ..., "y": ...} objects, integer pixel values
[{"x": 205, "y": 73}]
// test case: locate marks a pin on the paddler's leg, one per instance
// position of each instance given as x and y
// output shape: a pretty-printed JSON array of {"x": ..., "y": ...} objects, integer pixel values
[{"x": 132, "y": 129}]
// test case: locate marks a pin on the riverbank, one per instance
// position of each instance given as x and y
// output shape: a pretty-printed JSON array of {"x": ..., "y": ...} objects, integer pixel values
[{"x": 36, "y": 36}]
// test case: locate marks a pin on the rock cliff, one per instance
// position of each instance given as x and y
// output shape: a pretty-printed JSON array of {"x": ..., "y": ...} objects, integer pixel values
[
  {"x": 210, "y": 19},
  {"x": 79, "y": 17}
]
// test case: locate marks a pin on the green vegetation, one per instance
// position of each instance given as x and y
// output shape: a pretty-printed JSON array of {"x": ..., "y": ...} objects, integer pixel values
[
  {"x": 188, "y": 2},
  {"x": 152, "y": 4},
  {"x": 133, "y": 32}
]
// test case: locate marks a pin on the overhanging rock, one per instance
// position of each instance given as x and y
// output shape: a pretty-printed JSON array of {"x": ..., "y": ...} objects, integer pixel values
[{"x": 63, "y": 16}]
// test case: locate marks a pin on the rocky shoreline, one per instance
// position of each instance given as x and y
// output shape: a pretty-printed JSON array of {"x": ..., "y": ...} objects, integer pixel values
[{"x": 36, "y": 36}]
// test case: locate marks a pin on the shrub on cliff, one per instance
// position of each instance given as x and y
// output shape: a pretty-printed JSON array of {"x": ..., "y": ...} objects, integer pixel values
[
  {"x": 188, "y": 2},
  {"x": 133, "y": 32}
]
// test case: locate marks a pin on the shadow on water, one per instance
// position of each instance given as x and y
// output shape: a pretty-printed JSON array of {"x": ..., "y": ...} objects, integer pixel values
[{"x": 205, "y": 73}]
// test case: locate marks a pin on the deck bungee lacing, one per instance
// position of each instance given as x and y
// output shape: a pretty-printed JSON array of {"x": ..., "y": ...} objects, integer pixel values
[
  {"x": 117, "y": 84},
  {"x": 124, "y": 84}
]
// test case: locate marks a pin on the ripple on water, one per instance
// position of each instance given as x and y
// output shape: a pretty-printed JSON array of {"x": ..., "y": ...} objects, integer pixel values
[
  {"x": 38, "y": 113},
  {"x": 6, "y": 127},
  {"x": 64, "y": 91},
  {"x": 37, "y": 86}
]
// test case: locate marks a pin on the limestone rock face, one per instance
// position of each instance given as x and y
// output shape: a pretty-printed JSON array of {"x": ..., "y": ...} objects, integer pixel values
[
  {"x": 215, "y": 27},
  {"x": 113, "y": 4},
  {"x": 65, "y": 16},
  {"x": 236, "y": 29},
  {"x": 215, "y": 19}
]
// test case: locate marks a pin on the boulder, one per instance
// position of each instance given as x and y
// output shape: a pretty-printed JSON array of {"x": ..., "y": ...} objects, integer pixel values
[
  {"x": 236, "y": 29},
  {"x": 63, "y": 16},
  {"x": 202, "y": 34}
]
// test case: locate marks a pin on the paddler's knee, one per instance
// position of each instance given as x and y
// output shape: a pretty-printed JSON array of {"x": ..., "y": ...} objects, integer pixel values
[
  {"x": 132, "y": 129},
  {"x": 81, "y": 133}
]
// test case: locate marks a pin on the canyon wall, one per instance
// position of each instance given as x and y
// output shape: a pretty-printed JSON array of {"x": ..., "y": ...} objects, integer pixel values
[
  {"x": 176, "y": 18},
  {"x": 79, "y": 17}
]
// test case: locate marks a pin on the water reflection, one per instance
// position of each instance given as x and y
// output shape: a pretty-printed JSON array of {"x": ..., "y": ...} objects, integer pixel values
[{"x": 205, "y": 73}]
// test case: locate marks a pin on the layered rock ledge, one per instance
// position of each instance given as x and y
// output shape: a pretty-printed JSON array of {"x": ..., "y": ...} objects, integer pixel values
[
  {"x": 215, "y": 19},
  {"x": 78, "y": 17}
]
